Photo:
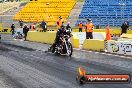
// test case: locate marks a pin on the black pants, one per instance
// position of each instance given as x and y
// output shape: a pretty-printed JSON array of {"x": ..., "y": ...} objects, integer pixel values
[
  {"x": 13, "y": 32},
  {"x": 44, "y": 30},
  {"x": 80, "y": 29},
  {"x": 25, "y": 36},
  {"x": 89, "y": 35},
  {"x": 123, "y": 31}
]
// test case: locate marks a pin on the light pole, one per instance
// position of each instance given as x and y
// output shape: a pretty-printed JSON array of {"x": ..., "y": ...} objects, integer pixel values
[
  {"x": 1, "y": 10},
  {"x": 47, "y": 11},
  {"x": 108, "y": 12},
  {"x": 122, "y": 5}
]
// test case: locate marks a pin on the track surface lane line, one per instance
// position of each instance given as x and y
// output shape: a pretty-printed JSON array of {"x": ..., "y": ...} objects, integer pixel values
[{"x": 103, "y": 53}]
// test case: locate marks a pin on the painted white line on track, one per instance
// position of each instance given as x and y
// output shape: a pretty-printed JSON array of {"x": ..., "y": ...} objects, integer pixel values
[
  {"x": 109, "y": 54},
  {"x": 116, "y": 55},
  {"x": 103, "y": 53},
  {"x": 96, "y": 52},
  {"x": 129, "y": 57},
  {"x": 122, "y": 56}
]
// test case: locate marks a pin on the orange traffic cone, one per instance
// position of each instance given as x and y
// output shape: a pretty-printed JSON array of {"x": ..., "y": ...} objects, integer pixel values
[
  {"x": 108, "y": 36},
  {"x": 33, "y": 27}
]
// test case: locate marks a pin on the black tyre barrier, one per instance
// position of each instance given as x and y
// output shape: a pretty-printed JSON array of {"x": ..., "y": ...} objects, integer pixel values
[
  {"x": 4, "y": 30},
  {"x": 43, "y": 31},
  {"x": 115, "y": 35},
  {"x": 51, "y": 30}
]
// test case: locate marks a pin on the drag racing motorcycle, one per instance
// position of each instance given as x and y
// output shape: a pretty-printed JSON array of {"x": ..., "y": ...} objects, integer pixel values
[{"x": 64, "y": 46}]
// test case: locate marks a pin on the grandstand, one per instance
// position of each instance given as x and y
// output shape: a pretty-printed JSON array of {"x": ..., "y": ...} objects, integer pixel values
[
  {"x": 48, "y": 10},
  {"x": 106, "y": 12},
  {"x": 5, "y": 6}
]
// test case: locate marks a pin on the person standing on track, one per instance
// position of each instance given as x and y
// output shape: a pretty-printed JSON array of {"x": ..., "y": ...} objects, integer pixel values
[
  {"x": 25, "y": 31},
  {"x": 80, "y": 26},
  {"x": 124, "y": 28},
  {"x": 13, "y": 29},
  {"x": 44, "y": 26},
  {"x": 89, "y": 29}
]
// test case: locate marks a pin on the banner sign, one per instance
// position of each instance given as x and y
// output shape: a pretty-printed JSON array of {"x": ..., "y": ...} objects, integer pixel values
[
  {"x": 120, "y": 47},
  {"x": 102, "y": 78}
]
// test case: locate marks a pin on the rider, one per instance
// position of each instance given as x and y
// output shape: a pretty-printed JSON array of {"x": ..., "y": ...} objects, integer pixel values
[{"x": 60, "y": 33}]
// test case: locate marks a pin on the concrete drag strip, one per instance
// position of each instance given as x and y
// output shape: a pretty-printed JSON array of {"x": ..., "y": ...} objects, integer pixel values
[
  {"x": 30, "y": 76},
  {"x": 30, "y": 67},
  {"x": 53, "y": 68}
]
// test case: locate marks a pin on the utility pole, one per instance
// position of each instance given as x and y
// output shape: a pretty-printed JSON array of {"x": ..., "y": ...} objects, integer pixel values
[
  {"x": 1, "y": 11},
  {"x": 122, "y": 6},
  {"x": 108, "y": 12}
]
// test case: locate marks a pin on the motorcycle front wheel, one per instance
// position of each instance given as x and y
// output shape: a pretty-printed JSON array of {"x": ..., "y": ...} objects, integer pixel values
[{"x": 70, "y": 49}]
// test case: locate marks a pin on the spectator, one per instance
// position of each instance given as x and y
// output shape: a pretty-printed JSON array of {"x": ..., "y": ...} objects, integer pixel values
[
  {"x": 13, "y": 29},
  {"x": 37, "y": 26},
  {"x": 124, "y": 28},
  {"x": 21, "y": 23},
  {"x": 32, "y": 27},
  {"x": 59, "y": 22},
  {"x": 89, "y": 29},
  {"x": 25, "y": 31},
  {"x": 80, "y": 26},
  {"x": 44, "y": 26}
]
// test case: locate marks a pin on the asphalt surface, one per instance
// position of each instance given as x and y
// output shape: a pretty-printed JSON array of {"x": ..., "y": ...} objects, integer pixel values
[{"x": 24, "y": 64}]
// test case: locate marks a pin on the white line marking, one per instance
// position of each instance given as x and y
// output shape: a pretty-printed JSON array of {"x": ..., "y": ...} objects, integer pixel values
[{"x": 103, "y": 53}]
